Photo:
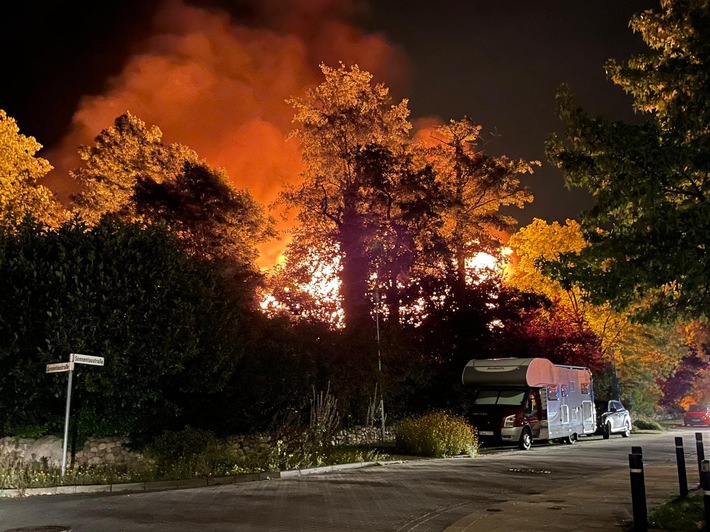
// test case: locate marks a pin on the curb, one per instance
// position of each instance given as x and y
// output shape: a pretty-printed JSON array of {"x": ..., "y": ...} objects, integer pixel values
[{"x": 164, "y": 485}]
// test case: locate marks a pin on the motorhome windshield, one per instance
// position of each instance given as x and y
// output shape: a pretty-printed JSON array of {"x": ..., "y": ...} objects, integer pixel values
[{"x": 500, "y": 397}]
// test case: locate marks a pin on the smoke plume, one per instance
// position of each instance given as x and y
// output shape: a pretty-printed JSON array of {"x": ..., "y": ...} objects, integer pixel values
[{"x": 219, "y": 85}]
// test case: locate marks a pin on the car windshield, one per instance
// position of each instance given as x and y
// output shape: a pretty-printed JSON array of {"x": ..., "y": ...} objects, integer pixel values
[
  {"x": 500, "y": 397},
  {"x": 696, "y": 408}
]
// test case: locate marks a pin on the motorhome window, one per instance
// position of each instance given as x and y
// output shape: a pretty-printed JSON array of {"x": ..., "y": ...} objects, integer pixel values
[
  {"x": 511, "y": 397},
  {"x": 563, "y": 389},
  {"x": 585, "y": 387},
  {"x": 571, "y": 387},
  {"x": 500, "y": 397},
  {"x": 552, "y": 393},
  {"x": 487, "y": 397}
]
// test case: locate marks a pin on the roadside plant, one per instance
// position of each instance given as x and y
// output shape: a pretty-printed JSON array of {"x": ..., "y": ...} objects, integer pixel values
[{"x": 436, "y": 434}]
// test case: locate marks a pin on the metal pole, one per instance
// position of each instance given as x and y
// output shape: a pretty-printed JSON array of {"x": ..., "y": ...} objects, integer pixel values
[
  {"x": 638, "y": 493},
  {"x": 66, "y": 423},
  {"x": 680, "y": 461},
  {"x": 700, "y": 449},
  {"x": 379, "y": 361}
]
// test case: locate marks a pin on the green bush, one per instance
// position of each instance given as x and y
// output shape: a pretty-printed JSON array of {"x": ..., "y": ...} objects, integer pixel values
[
  {"x": 436, "y": 434},
  {"x": 647, "y": 424},
  {"x": 191, "y": 453}
]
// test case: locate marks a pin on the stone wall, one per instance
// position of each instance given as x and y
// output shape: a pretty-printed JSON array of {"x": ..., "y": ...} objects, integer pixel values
[
  {"x": 48, "y": 451},
  {"x": 113, "y": 451}
]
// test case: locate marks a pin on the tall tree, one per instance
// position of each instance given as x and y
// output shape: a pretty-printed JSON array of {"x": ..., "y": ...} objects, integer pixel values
[
  {"x": 476, "y": 186},
  {"x": 650, "y": 225},
  {"x": 20, "y": 173},
  {"x": 343, "y": 125},
  {"x": 641, "y": 354},
  {"x": 131, "y": 174}
]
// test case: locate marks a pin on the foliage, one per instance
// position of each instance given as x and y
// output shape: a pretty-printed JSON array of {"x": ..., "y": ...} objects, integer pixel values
[
  {"x": 298, "y": 442},
  {"x": 648, "y": 231},
  {"x": 475, "y": 186},
  {"x": 553, "y": 332},
  {"x": 192, "y": 453},
  {"x": 641, "y": 354},
  {"x": 352, "y": 137},
  {"x": 131, "y": 174},
  {"x": 688, "y": 383},
  {"x": 436, "y": 434},
  {"x": 161, "y": 320},
  {"x": 644, "y": 423},
  {"x": 171, "y": 446},
  {"x": 20, "y": 173}
]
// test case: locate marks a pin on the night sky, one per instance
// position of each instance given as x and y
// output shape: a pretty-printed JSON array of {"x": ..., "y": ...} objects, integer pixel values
[{"x": 498, "y": 63}]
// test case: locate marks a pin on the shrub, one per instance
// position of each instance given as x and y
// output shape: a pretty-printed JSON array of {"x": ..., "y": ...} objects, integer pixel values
[
  {"x": 192, "y": 452},
  {"x": 436, "y": 434},
  {"x": 643, "y": 423}
]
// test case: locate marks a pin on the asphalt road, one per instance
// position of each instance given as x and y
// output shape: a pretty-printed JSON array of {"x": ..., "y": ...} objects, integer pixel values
[{"x": 426, "y": 495}]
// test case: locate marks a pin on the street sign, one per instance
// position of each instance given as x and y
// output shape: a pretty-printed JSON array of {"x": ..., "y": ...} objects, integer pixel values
[
  {"x": 60, "y": 366},
  {"x": 86, "y": 359},
  {"x": 69, "y": 366}
]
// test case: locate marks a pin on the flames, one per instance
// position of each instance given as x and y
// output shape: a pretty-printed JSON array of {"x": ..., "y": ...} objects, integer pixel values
[{"x": 218, "y": 85}]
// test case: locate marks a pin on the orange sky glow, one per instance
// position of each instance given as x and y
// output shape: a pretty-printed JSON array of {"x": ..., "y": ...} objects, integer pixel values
[{"x": 220, "y": 88}]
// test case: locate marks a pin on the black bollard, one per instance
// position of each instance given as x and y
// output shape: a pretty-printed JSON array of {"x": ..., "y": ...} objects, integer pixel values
[
  {"x": 700, "y": 449},
  {"x": 705, "y": 483},
  {"x": 680, "y": 461},
  {"x": 638, "y": 493},
  {"x": 637, "y": 450}
]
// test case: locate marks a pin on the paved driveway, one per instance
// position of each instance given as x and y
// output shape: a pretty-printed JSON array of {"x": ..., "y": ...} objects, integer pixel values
[{"x": 579, "y": 487}]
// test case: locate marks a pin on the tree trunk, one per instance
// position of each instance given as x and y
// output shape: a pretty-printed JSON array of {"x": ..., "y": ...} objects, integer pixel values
[{"x": 356, "y": 305}]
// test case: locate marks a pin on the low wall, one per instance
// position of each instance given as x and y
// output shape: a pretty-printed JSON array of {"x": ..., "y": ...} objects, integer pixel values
[
  {"x": 114, "y": 451},
  {"x": 48, "y": 451}
]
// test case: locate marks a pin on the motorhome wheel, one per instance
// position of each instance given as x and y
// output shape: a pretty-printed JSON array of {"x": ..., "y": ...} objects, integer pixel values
[{"x": 525, "y": 440}]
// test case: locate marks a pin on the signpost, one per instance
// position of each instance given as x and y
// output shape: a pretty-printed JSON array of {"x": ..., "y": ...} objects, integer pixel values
[{"x": 74, "y": 358}]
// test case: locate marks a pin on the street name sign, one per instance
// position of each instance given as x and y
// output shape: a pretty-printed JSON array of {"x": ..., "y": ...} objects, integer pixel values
[
  {"x": 60, "y": 366},
  {"x": 86, "y": 359}
]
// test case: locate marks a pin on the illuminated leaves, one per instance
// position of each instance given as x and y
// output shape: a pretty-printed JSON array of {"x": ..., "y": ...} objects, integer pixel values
[
  {"x": 20, "y": 173},
  {"x": 130, "y": 173},
  {"x": 651, "y": 180},
  {"x": 352, "y": 139}
]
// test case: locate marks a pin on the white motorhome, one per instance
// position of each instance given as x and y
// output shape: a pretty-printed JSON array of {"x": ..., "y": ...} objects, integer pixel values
[{"x": 519, "y": 400}]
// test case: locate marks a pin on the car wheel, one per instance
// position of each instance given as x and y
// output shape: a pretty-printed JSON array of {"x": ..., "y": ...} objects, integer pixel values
[
  {"x": 571, "y": 439},
  {"x": 525, "y": 440},
  {"x": 627, "y": 430},
  {"x": 607, "y": 431}
]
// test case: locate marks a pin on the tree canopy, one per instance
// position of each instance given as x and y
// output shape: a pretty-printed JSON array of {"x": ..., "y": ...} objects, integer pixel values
[
  {"x": 131, "y": 174},
  {"x": 20, "y": 173},
  {"x": 651, "y": 180}
]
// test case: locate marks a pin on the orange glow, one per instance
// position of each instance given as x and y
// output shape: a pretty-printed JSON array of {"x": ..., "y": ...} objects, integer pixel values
[{"x": 220, "y": 87}]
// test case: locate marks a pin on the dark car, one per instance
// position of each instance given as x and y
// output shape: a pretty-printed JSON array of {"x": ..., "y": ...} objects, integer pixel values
[
  {"x": 612, "y": 418},
  {"x": 697, "y": 415}
]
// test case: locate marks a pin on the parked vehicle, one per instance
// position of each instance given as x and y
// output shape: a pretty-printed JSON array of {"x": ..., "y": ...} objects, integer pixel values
[
  {"x": 521, "y": 400},
  {"x": 612, "y": 418},
  {"x": 697, "y": 415}
]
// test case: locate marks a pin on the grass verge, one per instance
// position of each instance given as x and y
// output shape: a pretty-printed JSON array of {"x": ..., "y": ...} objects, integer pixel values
[{"x": 682, "y": 514}]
